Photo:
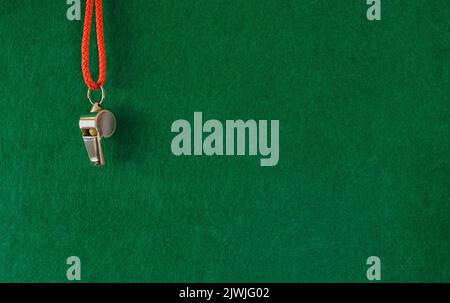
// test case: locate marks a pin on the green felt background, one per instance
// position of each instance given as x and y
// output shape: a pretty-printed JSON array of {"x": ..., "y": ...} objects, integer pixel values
[{"x": 364, "y": 142}]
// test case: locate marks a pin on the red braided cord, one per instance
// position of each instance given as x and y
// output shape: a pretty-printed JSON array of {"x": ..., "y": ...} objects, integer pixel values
[{"x": 100, "y": 42}]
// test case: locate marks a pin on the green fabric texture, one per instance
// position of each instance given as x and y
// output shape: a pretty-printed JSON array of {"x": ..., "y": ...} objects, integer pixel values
[{"x": 364, "y": 143}]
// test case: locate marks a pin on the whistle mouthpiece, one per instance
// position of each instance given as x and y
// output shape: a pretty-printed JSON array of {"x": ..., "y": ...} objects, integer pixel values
[
  {"x": 94, "y": 150},
  {"x": 95, "y": 126}
]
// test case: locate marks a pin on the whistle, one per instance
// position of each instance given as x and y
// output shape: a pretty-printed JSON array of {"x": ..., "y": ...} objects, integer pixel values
[{"x": 100, "y": 123}]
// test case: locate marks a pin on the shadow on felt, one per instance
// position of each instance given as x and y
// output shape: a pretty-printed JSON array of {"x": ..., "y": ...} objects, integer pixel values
[
  {"x": 133, "y": 138},
  {"x": 122, "y": 38}
]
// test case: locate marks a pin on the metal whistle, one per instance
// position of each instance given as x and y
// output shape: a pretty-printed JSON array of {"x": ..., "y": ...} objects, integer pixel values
[{"x": 100, "y": 123}]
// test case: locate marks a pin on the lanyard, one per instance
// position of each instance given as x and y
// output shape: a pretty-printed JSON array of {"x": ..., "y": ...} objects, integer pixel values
[{"x": 100, "y": 42}]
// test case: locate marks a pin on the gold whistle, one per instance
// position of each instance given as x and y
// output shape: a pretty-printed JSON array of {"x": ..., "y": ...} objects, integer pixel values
[{"x": 100, "y": 123}]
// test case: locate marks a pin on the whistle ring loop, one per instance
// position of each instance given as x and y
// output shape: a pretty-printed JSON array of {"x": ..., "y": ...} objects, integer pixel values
[{"x": 89, "y": 96}]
